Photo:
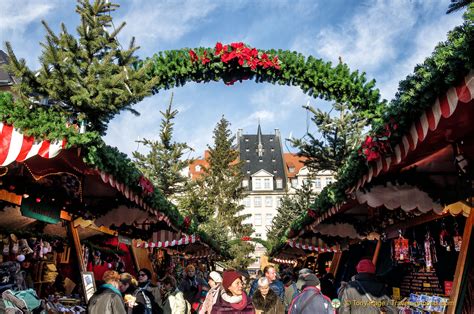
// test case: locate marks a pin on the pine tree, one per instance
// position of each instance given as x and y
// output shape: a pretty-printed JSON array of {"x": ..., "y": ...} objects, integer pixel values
[
  {"x": 90, "y": 77},
  {"x": 291, "y": 207},
  {"x": 339, "y": 135},
  {"x": 214, "y": 201},
  {"x": 164, "y": 162}
]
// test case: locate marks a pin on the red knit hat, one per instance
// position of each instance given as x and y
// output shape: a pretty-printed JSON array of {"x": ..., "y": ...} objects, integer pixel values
[
  {"x": 366, "y": 266},
  {"x": 228, "y": 277}
]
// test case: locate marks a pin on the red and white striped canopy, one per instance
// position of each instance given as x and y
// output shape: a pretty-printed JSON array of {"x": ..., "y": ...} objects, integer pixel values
[
  {"x": 162, "y": 244},
  {"x": 300, "y": 244},
  {"x": 14, "y": 146}
]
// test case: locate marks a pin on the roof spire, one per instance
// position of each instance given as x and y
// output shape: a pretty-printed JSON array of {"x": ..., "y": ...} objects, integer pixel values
[{"x": 259, "y": 135}]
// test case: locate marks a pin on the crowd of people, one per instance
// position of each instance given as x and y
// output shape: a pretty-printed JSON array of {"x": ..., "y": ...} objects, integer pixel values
[{"x": 234, "y": 292}]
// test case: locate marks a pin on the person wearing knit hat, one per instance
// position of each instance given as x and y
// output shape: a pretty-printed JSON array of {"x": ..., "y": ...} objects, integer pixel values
[
  {"x": 232, "y": 298},
  {"x": 192, "y": 286},
  {"x": 310, "y": 300},
  {"x": 215, "y": 282},
  {"x": 357, "y": 296}
]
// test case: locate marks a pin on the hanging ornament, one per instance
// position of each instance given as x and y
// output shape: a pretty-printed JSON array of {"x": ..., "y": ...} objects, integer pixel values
[
  {"x": 430, "y": 251},
  {"x": 457, "y": 238},
  {"x": 444, "y": 237},
  {"x": 401, "y": 249}
]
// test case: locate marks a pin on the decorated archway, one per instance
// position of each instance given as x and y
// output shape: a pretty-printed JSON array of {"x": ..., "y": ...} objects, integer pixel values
[{"x": 237, "y": 62}]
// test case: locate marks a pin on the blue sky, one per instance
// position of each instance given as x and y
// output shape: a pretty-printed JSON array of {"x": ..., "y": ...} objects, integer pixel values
[{"x": 385, "y": 39}]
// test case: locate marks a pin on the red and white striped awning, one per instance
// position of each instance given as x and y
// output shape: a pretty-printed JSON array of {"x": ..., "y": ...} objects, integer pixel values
[
  {"x": 443, "y": 107},
  {"x": 300, "y": 244},
  {"x": 14, "y": 146},
  {"x": 137, "y": 199},
  {"x": 284, "y": 261},
  {"x": 162, "y": 244}
]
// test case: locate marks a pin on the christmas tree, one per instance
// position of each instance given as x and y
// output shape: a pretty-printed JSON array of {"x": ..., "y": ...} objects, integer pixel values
[
  {"x": 339, "y": 135},
  {"x": 89, "y": 78},
  {"x": 164, "y": 162}
]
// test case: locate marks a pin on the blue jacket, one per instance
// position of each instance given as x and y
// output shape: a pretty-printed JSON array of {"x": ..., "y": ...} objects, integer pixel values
[
  {"x": 277, "y": 287},
  {"x": 319, "y": 304}
]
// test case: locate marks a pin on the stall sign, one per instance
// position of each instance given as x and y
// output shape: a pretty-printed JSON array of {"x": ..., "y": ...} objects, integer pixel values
[
  {"x": 448, "y": 287},
  {"x": 396, "y": 293}
]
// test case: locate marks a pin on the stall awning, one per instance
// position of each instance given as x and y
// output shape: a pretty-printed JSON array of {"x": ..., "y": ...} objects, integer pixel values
[
  {"x": 14, "y": 146},
  {"x": 162, "y": 244},
  {"x": 443, "y": 107},
  {"x": 301, "y": 244}
]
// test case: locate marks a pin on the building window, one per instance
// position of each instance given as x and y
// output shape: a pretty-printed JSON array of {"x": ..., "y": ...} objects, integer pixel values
[
  {"x": 268, "y": 219},
  {"x": 279, "y": 184},
  {"x": 257, "y": 220},
  {"x": 247, "y": 202},
  {"x": 273, "y": 149},
  {"x": 328, "y": 180},
  {"x": 317, "y": 182},
  {"x": 248, "y": 161},
  {"x": 247, "y": 149},
  {"x": 275, "y": 171},
  {"x": 294, "y": 183},
  {"x": 257, "y": 201},
  {"x": 271, "y": 139},
  {"x": 266, "y": 184},
  {"x": 268, "y": 201},
  {"x": 260, "y": 160},
  {"x": 291, "y": 169},
  {"x": 257, "y": 184},
  {"x": 246, "y": 139},
  {"x": 248, "y": 171},
  {"x": 198, "y": 168},
  {"x": 273, "y": 160},
  {"x": 245, "y": 183}
]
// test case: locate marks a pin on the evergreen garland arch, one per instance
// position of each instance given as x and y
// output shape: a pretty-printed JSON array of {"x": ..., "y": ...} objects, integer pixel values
[{"x": 238, "y": 62}]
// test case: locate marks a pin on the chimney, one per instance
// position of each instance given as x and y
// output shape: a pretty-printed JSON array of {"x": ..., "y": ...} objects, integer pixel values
[
  {"x": 239, "y": 134},
  {"x": 277, "y": 132}
]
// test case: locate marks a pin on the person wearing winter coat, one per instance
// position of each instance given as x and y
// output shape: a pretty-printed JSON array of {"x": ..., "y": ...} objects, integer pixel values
[
  {"x": 192, "y": 286},
  {"x": 357, "y": 295},
  {"x": 148, "y": 296},
  {"x": 215, "y": 282},
  {"x": 291, "y": 291},
  {"x": 108, "y": 298},
  {"x": 232, "y": 298},
  {"x": 174, "y": 302},
  {"x": 276, "y": 285},
  {"x": 311, "y": 300},
  {"x": 265, "y": 299}
]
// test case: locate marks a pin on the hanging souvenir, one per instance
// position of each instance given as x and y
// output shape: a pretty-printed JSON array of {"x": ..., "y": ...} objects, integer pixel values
[
  {"x": 430, "y": 251},
  {"x": 444, "y": 237},
  {"x": 457, "y": 238},
  {"x": 401, "y": 249},
  {"x": 416, "y": 253}
]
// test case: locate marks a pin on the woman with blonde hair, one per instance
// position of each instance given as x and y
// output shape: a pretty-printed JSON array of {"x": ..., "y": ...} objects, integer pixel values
[{"x": 108, "y": 298}]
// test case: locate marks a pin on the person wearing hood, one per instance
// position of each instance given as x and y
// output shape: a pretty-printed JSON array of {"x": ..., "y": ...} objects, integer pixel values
[
  {"x": 215, "y": 282},
  {"x": 108, "y": 298},
  {"x": 358, "y": 294},
  {"x": 265, "y": 300},
  {"x": 311, "y": 300},
  {"x": 232, "y": 298},
  {"x": 148, "y": 296}
]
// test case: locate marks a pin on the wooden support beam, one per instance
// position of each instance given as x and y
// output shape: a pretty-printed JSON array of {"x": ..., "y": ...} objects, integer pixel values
[
  {"x": 336, "y": 259},
  {"x": 77, "y": 245},
  {"x": 461, "y": 263},
  {"x": 376, "y": 253}
]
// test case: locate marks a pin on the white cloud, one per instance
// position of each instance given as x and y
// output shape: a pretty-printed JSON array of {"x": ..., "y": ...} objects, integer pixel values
[
  {"x": 15, "y": 18},
  {"x": 152, "y": 21}
]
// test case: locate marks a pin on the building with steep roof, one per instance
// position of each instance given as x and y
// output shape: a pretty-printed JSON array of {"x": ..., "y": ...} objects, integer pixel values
[{"x": 269, "y": 173}]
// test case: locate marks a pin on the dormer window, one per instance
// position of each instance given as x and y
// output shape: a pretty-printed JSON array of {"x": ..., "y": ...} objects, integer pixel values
[
  {"x": 291, "y": 169},
  {"x": 245, "y": 183},
  {"x": 246, "y": 139},
  {"x": 260, "y": 160},
  {"x": 247, "y": 149},
  {"x": 275, "y": 171},
  {"x": 248, "y": 171},
  {"x": 247, "y": 161},
  {"x": 271, "y": 139},
  {"x": 273, "y": 160},
  {"x": 198, "y": 168},
  {"x": 273, "y": 149}
]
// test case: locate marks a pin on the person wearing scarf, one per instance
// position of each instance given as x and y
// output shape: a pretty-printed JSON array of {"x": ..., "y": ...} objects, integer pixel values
[
  {"x": 232, "y": 298},
  {"x": 192, "y": 286},
  {"x": 148, "y": 296},
  {"x": 107, "y": 299}
]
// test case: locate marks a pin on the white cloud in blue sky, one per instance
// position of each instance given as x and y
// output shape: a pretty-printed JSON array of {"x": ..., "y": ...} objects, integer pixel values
[{"x": 386, "y": 39}]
